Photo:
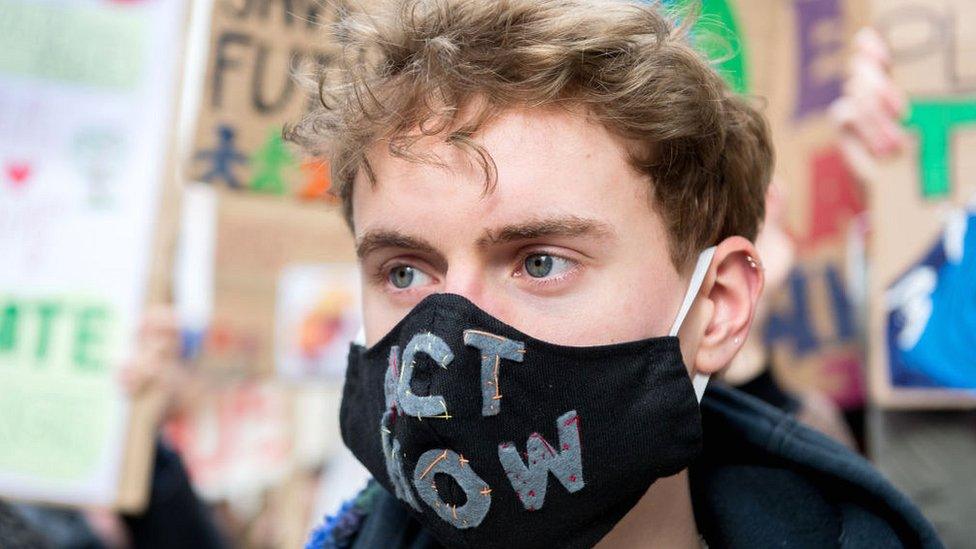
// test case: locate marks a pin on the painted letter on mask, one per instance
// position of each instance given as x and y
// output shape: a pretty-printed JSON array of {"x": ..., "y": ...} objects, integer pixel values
[
  {"x": 391, "y": 447},
  {"x": 530, "y": 481},
  {"x": 422, "y": 406},
  {"x": 493, "y": 349},
  {"x": 476, "y": 492}
]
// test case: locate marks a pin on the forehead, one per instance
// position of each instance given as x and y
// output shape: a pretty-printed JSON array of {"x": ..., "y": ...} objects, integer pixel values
[{"x": 548, "y": 163}]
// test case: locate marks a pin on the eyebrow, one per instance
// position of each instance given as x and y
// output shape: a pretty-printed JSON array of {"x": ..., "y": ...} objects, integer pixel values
[
  {"x": 385, "y": 238},
  {"x": 564, "y": 226}
]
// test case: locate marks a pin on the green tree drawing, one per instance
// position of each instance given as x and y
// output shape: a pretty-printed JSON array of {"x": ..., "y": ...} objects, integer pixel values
[{"x": 271, "y": 163}]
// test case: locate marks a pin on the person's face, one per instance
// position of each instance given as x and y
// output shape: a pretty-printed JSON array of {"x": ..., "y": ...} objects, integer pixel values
[{"x": 565, "y": 248}]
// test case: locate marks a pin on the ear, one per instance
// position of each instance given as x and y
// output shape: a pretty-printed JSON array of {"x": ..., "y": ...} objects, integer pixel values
[{"x": 726, "y": 306}]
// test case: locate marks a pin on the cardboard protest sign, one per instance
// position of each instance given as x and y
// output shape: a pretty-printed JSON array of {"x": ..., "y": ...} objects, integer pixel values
[
  {"x": 256, "y": 51},
  {"x": 87, "y": 99},
  {"x": 923, "y": 213},
  {"x": 813, "y": 324},
  {"x": 273, "y": 208},
  {"x": 258, "y": 238}
]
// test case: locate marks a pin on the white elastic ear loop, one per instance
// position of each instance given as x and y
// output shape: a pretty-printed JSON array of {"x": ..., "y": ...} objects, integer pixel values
[{"x": 699, "y": 381}]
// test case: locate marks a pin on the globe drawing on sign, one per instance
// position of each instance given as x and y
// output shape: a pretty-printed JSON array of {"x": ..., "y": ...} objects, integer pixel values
[
  {"x": 931, "y": 313},
  {"x": 324, "y": 324},
  {"x": 317, "y": 316}
]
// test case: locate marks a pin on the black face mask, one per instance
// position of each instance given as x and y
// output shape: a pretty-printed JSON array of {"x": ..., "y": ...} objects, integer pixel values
[{"x": 494, "y": 438}]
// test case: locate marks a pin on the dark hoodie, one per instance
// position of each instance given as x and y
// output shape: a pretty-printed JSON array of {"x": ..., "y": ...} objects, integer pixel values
[
  {"x": 173, "y": 517},
  {"x": 762, "y": 480}
]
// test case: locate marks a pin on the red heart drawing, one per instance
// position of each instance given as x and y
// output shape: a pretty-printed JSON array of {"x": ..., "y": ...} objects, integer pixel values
[{"x": 18, "y": 172}]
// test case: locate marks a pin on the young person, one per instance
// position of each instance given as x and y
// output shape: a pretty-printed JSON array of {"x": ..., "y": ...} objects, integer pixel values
[{"x": 554, "y": 203}]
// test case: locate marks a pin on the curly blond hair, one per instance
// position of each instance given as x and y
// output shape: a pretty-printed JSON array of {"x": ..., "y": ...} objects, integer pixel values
[{"x": 417, "y": 68}]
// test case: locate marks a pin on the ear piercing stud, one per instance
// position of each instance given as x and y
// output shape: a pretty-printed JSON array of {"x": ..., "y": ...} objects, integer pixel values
[
  {"x": 753, "y": 262},
  {"x": 736, "y": 340}
]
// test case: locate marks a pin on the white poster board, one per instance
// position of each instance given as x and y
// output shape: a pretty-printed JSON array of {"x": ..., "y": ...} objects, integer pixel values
[{"x": 87, "y": 105}]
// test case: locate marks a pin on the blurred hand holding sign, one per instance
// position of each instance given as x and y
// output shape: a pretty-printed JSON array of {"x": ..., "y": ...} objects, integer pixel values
[
  {"x": 923, "y": 208},
  {"x": 87, "y": 97}
]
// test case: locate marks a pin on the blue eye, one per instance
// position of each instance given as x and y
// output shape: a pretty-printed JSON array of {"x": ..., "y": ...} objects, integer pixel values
[
  {"x": 405, "y": 276},
  {"x": 544, "y": 265}
]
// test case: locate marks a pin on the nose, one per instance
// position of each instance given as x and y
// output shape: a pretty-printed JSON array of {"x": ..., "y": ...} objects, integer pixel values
[
  {"x": 466, "y": 280},
  {"x": 469, "y": 281}
]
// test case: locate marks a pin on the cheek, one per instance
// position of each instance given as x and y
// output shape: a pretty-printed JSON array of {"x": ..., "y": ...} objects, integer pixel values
[
  {"x": 378, "y": 316},
  {"x": 614, "y": 306}
]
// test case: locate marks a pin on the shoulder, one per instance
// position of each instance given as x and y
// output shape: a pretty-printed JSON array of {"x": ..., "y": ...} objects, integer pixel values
[{"x": 763, "y": 479}]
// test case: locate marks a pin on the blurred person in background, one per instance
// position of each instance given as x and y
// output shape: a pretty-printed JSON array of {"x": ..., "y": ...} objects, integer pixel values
[
  {"x": 538, "y": 190},
  {"x": 930, "y": 455},
  {"x": 16, "y": 532},
  {"x": 174, "y": 516}
]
